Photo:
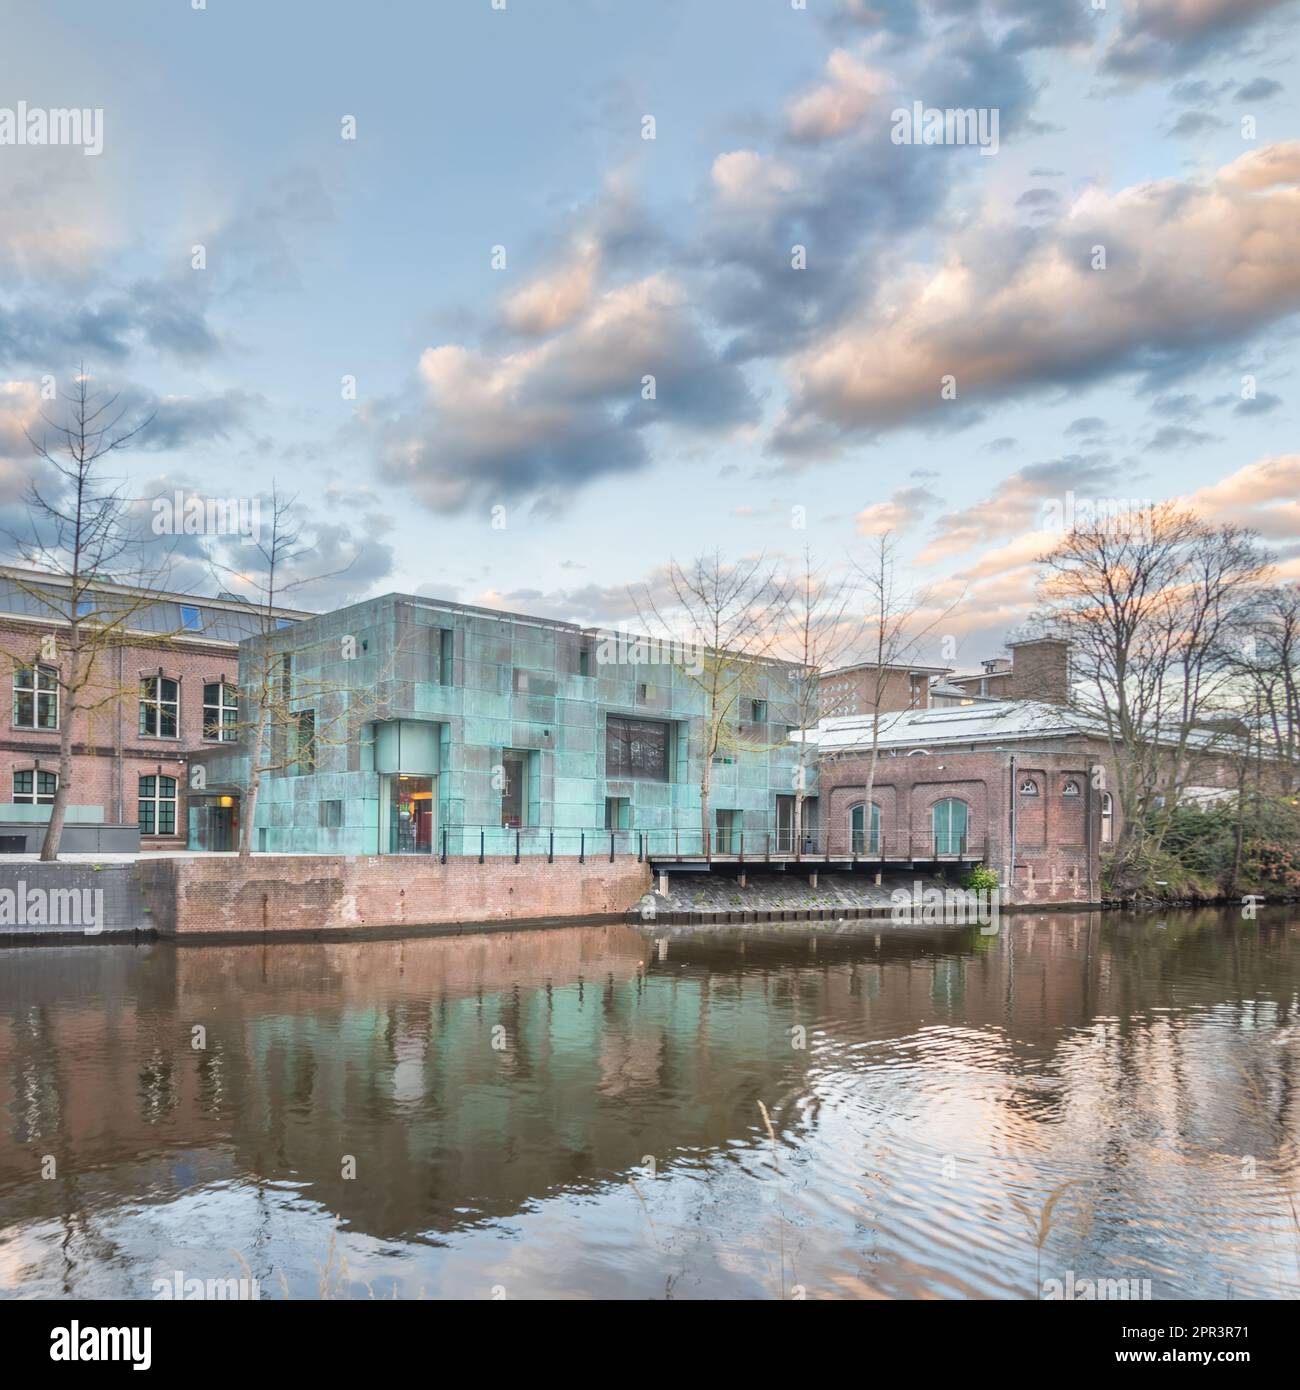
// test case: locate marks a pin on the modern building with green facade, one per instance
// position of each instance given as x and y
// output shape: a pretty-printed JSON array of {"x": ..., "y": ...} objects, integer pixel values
[{"x": 417, "y": 726}]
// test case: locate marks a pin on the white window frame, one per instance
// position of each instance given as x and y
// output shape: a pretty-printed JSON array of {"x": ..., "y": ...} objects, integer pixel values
[
  {"x": 158, "y": 801},
  {"x": 35, "y": 797},
  {"x": 38, "y": 672},
  {"x": 219, "y": 709},
  {"x": 157, "y": 704}
]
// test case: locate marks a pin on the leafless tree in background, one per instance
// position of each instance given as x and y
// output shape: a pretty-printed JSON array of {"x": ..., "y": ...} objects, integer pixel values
[
  {"x": 1153, "y": 603},
  {"x": 893, "y": 629},
  {"x": 81, "y": 531},
  {"x": 274, "y": 700},
  {"x": 732, "y": 615},
  {"x": 819, "y": 629}
]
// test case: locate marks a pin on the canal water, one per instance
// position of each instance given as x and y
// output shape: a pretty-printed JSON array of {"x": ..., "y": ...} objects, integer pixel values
[{"x": 872, "y": 1111}]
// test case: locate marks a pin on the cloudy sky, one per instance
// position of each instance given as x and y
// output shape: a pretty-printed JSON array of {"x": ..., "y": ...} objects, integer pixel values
[{"x": 500, "y": 258}]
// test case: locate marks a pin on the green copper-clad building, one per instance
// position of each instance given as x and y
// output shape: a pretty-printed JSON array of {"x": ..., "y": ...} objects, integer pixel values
[{"x": 406, "y": 725}]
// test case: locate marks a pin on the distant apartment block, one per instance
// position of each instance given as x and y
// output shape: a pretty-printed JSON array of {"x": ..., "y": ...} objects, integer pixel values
[
  {"x": 865, "y": 688},
  {"x": 1037, "y": 669}
]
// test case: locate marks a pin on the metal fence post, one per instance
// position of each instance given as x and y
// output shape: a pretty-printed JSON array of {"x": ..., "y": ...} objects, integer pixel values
[
  {"x": 516, "y": 845},
  {"x": 444, "y": 844},
  {"x": 482, "y": 842},
  {"x": 550, "y": 853},
  {"x": 582, "y": 848}
]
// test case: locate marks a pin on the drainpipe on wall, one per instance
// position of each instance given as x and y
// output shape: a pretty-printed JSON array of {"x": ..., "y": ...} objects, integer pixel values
[
  {"x": 119, "y": 769},
  {"x": 1087, "y": 821},
  {"x": 1011, "y": 876}
]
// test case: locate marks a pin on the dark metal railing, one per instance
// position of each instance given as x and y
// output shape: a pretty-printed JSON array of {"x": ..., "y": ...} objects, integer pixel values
[{"x": 747, "y": 846}]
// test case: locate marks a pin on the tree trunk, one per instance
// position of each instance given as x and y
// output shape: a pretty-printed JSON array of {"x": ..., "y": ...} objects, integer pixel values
[
  {"x": 870, "y": 788},
  {"x": 705, "y": 779},
  {"x": 59, "y": 808},
  {"x": 248, "y": 811}
]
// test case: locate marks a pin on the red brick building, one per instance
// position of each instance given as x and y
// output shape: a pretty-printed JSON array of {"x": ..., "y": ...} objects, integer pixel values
[
  {"x": 1020, "y": 785},
  {"x": 865, "y": 687},
  {"x": 1037, "y": 669},
  {"x": 166, "y": 691}
]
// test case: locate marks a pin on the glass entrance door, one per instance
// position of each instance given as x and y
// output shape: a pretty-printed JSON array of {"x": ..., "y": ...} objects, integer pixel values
[
  {"x": 223, "y": 822},
  {"x": 785, "y": 824},
  {"x": 411, "y": 815},
  {"x": 514, "y": 767}
]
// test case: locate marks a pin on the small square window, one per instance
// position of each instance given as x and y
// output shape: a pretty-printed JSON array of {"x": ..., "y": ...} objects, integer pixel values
[
  {"x": 331, "y": 814},
  {"x": 758, "y": 711},
  {"x": 191, "y": 618}
]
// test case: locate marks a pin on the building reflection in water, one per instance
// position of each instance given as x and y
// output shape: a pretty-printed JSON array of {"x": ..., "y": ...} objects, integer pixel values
[{"x": 929, "y": 1086}]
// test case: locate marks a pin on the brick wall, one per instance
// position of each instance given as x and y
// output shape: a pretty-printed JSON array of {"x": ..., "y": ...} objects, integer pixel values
[
  {"x": 110, "y": 755},
  {"x": 1056, "y": 851},
  {"x": 196, "y": 895},
  {"x": 1040, "y": 670},
  {"x": 853, "y": 690}
]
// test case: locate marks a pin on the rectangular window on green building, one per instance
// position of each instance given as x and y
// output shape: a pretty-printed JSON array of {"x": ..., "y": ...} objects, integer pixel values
[
  {"x": 636, "y": 748},
  {"x": 302, "y": 743}
]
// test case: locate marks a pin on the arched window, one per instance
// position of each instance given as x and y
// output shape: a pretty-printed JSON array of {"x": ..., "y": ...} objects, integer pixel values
[
  {"x": 859, "y": 842},
  {"x": 1071, "y": 787},
  {"x": 157, "y": 803},
  {"x": 919, "y": 753},
  {"x": 1107, "y": 818},
  {"x": 1028, "y": 787},
  {"x": 949, "y": 820}
]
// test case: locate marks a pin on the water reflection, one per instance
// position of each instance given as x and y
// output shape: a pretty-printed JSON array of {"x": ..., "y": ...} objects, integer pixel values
[{"x": 575, "y": 1112}]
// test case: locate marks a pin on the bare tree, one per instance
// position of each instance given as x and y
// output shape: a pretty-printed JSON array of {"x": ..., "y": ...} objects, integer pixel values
[
  {"x": 893, "y": 628},
  {"x": 284, "y": 716},
  {"x": 730, "y": 616},
  {"x": 1151, "y": 602},
  {"x": 1266, "y": 663},
  {"x": 1269, "y": 662},
  {"x": 81, "y": 531},
  {"x": 816, "y": 635}
]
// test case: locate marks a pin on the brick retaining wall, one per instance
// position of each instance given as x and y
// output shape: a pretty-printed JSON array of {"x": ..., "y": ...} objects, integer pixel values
[{"x": 208, "y": 895}]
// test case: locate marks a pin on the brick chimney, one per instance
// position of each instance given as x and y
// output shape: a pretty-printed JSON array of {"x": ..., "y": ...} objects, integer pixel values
[{"x": 1040, "y": 670}]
